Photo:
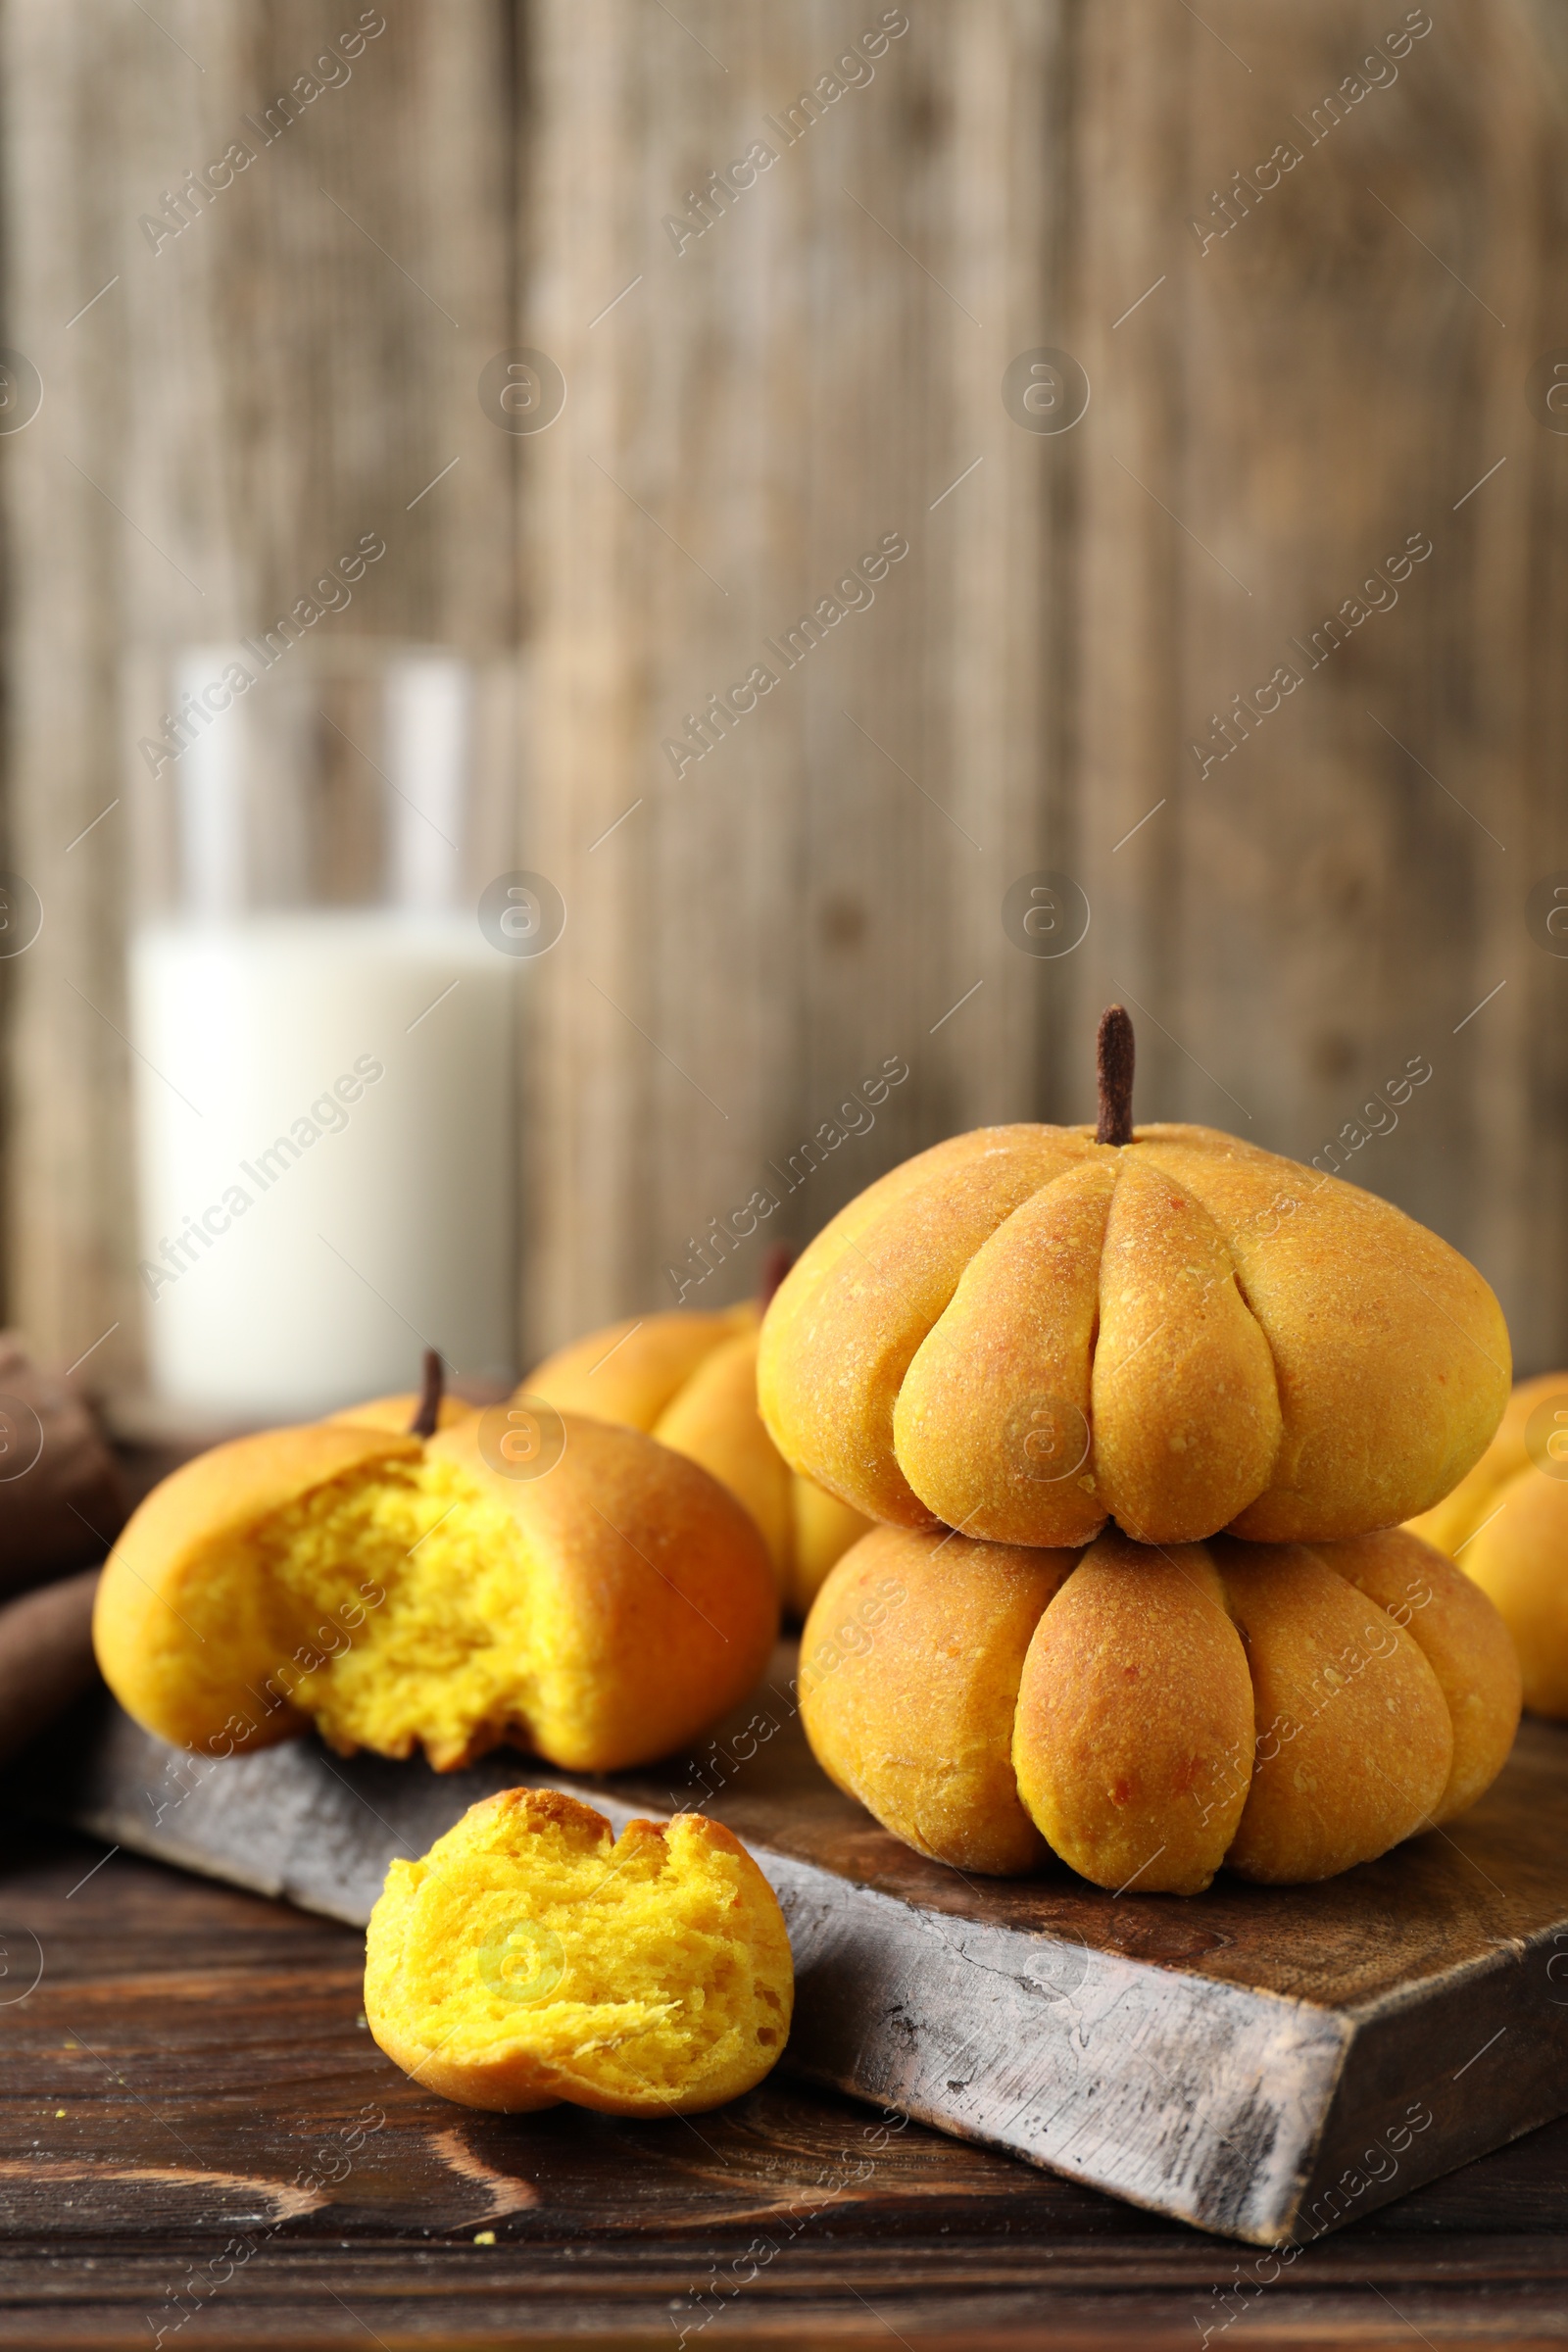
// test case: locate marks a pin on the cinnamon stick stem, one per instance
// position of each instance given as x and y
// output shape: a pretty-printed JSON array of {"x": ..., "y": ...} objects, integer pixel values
[
  {"x": 1116, "y": 1053},
  {"x": 427, "y": 1419}
]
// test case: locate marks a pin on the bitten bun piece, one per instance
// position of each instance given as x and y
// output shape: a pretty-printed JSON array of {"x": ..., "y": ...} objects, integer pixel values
[
  {"x": 690, "y": 1380},
  {"x": 1148, "y": 1715},
  {"x": 404, "y": 1593},
  {"x": 1506, "y": 1525},
  {"x": 531, "y": 1958},
  {"x": 1027, "y": 1331}
]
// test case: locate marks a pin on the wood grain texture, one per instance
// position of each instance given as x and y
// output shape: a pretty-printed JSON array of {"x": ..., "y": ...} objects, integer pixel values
[
  {"x": 1333, "y": 371},
  {"x": 819, "y": 891},
  {"x": 1271, "y": 414},
  {"x": 1276, "y": 408},
  {"x": 1266, "y": 2062},
  {"x": 228, "y": 416},
  {"x": 194, "y": 2123}
]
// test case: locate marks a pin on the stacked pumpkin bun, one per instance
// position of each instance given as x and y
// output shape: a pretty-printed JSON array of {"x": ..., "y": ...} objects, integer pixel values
[
  {"x": 600, "y": 1603},
  {"x": 1139, "y": 1411}
]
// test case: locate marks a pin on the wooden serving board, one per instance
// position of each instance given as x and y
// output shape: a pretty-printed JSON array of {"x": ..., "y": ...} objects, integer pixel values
[{"x": 1267, "y": 2064}]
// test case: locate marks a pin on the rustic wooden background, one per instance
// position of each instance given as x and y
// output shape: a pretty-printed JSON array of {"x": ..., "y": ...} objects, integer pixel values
[
  {"x": 224, "y": 2146},
  {"x": 1273, "y": 411}
]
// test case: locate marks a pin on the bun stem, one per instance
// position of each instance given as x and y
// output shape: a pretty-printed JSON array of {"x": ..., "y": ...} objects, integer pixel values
[
  {"x": 427, "y": 1419},
  {"x": 1115, "y": 1052}
]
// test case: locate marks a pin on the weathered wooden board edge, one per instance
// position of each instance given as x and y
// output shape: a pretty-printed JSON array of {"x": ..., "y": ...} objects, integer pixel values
[
  {"x": 1477, "y": 2059},
  {"x": 1239, "y": 2110},
  {"x": 1191, "y": 2098},
  {"x": 1089, "y": 2055}
]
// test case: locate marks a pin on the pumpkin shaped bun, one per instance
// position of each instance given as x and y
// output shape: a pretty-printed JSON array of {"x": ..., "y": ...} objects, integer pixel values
[
  {"x": 531, "y": 1956},
  {"x": 406, "y": 1590},
  {"x": 1287, "y": 1710},
  {"x": 1029, "y": 1330},
  {"x": 690, "y": 1381},
  {"x": 1506, "y": 1525}
]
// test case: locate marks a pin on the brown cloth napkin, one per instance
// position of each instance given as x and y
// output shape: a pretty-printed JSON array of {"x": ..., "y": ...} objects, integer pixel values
[
  {"x": 62, "y": 1503},
  {"x": 45, "y": 1656}
]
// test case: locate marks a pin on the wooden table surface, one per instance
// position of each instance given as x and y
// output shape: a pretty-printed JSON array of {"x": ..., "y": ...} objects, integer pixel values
[{"x": 201, "y": 2145}]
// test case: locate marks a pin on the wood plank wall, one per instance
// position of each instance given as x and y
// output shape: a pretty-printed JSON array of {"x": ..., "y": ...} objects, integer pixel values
[
  {"x": 1335, "y": 373},
  {"x": 225, "y": 420},
  {"x": 773, "y": 399},
  {"x": 1274, "y": 411}
]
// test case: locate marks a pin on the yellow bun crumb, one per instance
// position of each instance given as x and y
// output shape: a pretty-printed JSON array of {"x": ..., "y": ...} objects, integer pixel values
[
  {"x": 1506, "y": 1525},
  {"x": 690, "y": 1381},
  {"x": 1150, "y": 1714},
  {"x": 530, "y": 1958},
  {"x": 404, "y": 1595},
  {"x": 1025, "y": 1332}
]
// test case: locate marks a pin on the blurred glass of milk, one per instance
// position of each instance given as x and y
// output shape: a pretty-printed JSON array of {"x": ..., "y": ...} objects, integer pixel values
[{"x": 323, "y": 1035}]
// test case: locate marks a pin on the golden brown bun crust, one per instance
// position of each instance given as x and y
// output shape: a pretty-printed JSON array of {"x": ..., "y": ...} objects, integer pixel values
[
  {"x": 1134, "y": 1731},
  {"x": 1024, "y": 1315},
  {"x": 917, "y": 1725},
  {"x": 1520, "y": 1562},
  {"x": 1462, "y": 1638},
  {"x": 184, "y": 1622},
  {"x": 429, "y": 1935},
  {"x": 847, "y": 1320},
  {"x": 652, "y": 1605},
  {"x": 630, "y": 1371},
  {"x": 1506, "y": 1525},
  {"x": 1259, "y": 1346},
  {"x": 1473, "y": 1499},
  {"x": 1283, "y": 1711},
  {"x": 654, "y": 1584},
  {"x": 824, "y": 1530},
  {"x": 690, "y": 1380},
  {"x": 1354, "y": 1744},
  {"x": 713, "y": 1421},
  {"x": 1390, "y": 1350}
]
